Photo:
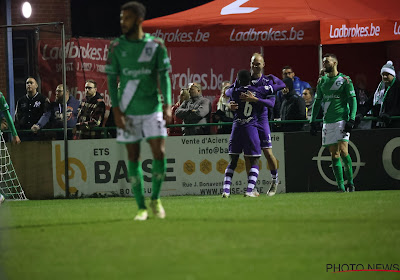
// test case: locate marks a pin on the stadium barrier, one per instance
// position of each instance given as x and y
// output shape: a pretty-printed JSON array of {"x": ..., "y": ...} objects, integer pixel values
[{"x": 196, "y": 164}]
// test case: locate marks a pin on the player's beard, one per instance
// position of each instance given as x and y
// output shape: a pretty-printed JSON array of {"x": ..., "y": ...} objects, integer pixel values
[
  {"x": 133, "y": 30},
  {"x": 328, "y": 69}
]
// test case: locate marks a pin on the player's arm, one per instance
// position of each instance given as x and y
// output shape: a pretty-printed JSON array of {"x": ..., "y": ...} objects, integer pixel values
[
  {"x": 112, "y": 70},
  {"x": 6, "y": 112},
  {"x": 352, "y": 101},
  {"x": 278, "y": 84},
  {"x": 165, "y": 87},
  {"x": 10, "y": 123},
  {"x": 163, "y": 66}
]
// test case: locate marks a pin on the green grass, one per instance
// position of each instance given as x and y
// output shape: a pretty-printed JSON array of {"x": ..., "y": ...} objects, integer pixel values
[{"x": 289, "y": 236}]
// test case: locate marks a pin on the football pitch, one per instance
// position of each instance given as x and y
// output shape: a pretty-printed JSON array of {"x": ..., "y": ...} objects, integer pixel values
[{"x": 288, "y": 236}]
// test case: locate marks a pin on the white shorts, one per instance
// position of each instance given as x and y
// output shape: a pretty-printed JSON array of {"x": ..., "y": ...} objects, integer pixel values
[
  {"x": 142, "y": 127},
  {"x": 332, "y": 133}
]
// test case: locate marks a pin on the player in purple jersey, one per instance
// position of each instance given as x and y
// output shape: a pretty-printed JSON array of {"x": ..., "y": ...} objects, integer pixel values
[
  {"x": 244, "y": 137},
  {"x": 267, "y": 86},
  {"x": 273, "y": 85}
]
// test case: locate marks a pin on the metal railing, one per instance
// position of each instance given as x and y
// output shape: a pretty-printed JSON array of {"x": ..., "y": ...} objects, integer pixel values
[{"x": 106, "y": 130}]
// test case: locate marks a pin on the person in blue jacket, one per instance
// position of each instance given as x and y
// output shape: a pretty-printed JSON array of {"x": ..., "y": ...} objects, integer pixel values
[{"x": 54, "y": 116}]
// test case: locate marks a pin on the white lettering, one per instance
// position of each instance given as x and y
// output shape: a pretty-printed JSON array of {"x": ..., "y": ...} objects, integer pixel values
[
  {"x": 234, "y": 8},
  {"x": 267, "y": 35},
  {"x": 396, "y": 30},
  {"x": 136, "y": 73},
  {"x": 73, "y": 51},
  {"x": 182, "y": 37},
  {"x": 354, "y": 32}
]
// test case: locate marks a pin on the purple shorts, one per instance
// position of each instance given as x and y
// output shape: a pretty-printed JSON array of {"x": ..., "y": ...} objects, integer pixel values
[{"x": 244, "y": 138}]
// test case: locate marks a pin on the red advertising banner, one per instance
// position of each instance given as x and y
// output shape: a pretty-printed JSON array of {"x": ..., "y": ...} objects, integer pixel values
[
  {"x": 268, "y": 23},
  {"x": 85, "y": 59},
  {"x": 359, "y": 31}
]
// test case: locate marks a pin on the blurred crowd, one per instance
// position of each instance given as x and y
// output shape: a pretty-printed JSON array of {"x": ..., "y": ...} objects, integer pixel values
[
  {"x": 35, "y": 114},
  {"x": 293, "y": 103}
]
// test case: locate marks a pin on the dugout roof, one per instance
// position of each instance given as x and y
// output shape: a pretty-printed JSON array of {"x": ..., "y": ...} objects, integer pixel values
[{"x": 271, "y": 22}]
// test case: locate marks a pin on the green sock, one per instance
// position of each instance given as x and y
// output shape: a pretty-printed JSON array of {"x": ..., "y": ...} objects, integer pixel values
[
  {"x": 158, "y": 174},
  {"x": 348, "y": 169},
  {"x": 136, "y": 176},
  {"x": 338, "y": 172}
]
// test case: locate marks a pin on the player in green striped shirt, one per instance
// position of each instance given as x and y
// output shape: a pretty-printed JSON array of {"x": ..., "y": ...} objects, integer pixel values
[
  {"x": 142, "y": 64},
  {"x": 6, "y": 112},
  {"x": 336, "y": 92}
]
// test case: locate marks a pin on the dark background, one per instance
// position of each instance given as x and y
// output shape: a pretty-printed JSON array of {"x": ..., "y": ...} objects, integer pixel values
[{"x": 93, "y": 18}]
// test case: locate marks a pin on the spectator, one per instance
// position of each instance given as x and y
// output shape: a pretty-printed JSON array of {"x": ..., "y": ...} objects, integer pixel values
[
  {"x": 298, "y": 85},
  {"x": 223, "y": 112},
  {"x": 362, "y": 96},
  {"x": 177, "y": 131},
  {"x": 308, "y": 97},
  {"x": 91, "y": 113},
  {"x": 196, "y": 110},
  {"x": 386, "y": 101},
  {"x": 293, "y": 107},
  {"x": 54, "y": 116},
  {"x": 29, "y": 109},
  {"x": 215, "y": 104}
]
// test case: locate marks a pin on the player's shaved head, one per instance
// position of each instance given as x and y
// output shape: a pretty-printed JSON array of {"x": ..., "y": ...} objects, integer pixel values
[
  {"x": 257, "y": 65},
  {"x": 257, "y": 56}
]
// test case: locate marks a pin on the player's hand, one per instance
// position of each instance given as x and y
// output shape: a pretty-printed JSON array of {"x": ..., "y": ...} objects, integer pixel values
[
  {"x": 4, "y": 124},
  {"x": 314, "y": 128},
  {"x": 16, "y": 140},
  {"x": 167, "y": 114},
  {"x": 248, "y": 97},
  {"x": 349, "y": 126},
  {"x": 233, "y": 105},
  {"x": 35, "y": 128},
  {"x": 357, "y": 120},
  {"x": 119, "y": 118}
]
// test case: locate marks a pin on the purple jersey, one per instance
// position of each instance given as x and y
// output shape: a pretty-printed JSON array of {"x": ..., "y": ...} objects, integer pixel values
[
  {"x": 244, "y": 136},
  {"x": 246, "y": 114},
  {"x": 267, "y": 86}
]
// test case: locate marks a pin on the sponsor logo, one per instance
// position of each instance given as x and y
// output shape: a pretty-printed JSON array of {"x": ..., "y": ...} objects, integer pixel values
[
  {"x": 326, "y": 167},
  {"x": 60, "y": 170},
  {"x": 354, "y": 32},
  {"x": 182, "y": 37},
  {"x": 73, "y": 51},
  {"x": 267, "y": 35},
  {"x": 234, "y": 8},
  {"x": 136, "y": 73},
  {"x": 396, "y": 29}
]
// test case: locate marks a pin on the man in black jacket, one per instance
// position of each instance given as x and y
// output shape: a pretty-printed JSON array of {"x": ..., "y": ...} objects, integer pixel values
[
  {"x": 293, "y": 107},
  {"x": 29, "y": 109},
  {"x": 386, "y": 101},
  {"x": 90, "y": 113}
]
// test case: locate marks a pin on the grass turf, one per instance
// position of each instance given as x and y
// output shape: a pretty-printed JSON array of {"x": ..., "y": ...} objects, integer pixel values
[{"x": 289, "y": 236}]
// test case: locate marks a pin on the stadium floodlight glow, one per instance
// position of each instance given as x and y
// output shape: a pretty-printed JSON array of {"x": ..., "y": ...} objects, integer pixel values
[{"x": 26, "y": 9}]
